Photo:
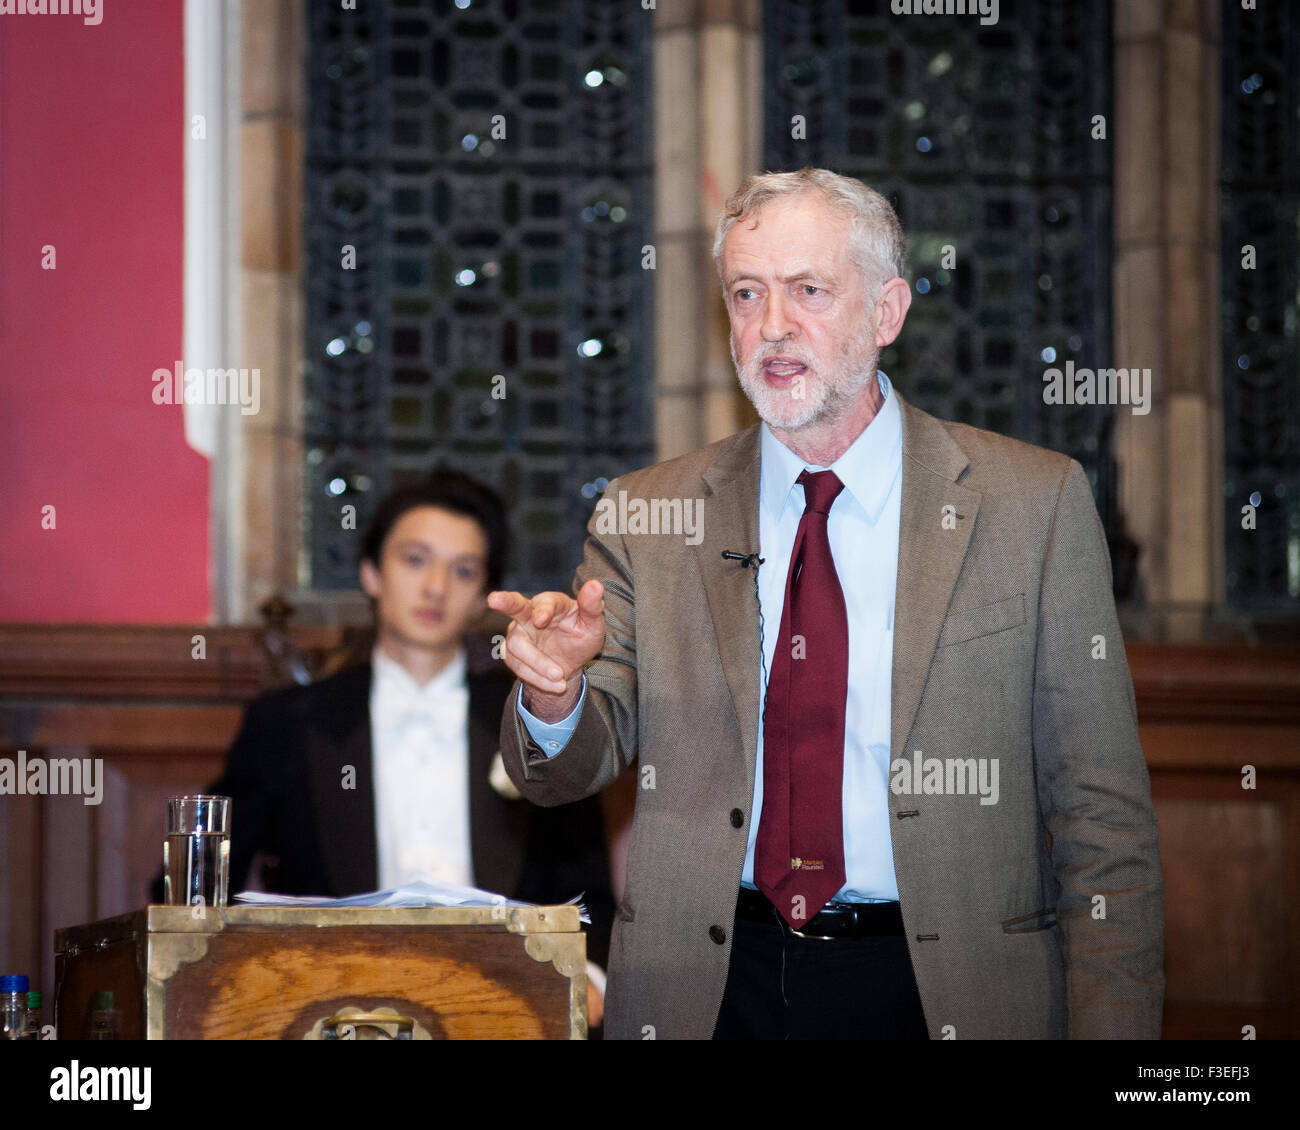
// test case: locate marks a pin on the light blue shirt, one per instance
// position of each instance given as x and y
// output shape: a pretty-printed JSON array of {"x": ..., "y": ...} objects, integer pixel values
[{"x": 863, "y": 527}]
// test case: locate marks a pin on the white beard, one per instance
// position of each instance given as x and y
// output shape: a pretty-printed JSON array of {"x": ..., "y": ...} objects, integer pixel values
[{"x": 819, "y": 399}]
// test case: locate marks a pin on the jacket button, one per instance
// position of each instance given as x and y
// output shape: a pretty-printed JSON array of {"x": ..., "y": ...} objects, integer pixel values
[
  {"x": 737, "y": 818},
  {"x": 718, "y": 934}
]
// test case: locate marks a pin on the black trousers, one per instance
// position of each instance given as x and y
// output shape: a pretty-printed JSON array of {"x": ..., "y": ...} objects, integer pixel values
[{"x": 782, "y": 987}]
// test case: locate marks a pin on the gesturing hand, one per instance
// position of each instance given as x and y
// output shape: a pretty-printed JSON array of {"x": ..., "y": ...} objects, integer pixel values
[{"x": 550, "y": 639}]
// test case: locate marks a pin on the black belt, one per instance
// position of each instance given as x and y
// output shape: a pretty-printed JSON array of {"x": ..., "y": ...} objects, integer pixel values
[{"x": 834, "y": 920}]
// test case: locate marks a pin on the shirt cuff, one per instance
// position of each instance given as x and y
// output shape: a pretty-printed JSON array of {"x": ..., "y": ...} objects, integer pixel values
[{"x": 552, "y": 737}]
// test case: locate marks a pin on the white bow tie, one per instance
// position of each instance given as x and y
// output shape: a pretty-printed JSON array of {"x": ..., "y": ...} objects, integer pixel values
[{"x": 402, "y": 707}]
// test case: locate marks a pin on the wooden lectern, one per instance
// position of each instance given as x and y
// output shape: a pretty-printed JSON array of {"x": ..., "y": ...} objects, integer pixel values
[{"x": 306, "y": 973}]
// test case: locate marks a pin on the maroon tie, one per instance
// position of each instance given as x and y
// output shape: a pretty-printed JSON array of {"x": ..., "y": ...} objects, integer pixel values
[{"x": 799, "y": 853}]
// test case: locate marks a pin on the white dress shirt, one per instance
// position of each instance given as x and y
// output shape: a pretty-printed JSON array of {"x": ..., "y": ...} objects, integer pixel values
[
  {"x": 420, "y": 752},
  {"x": 863, "y": 529}
]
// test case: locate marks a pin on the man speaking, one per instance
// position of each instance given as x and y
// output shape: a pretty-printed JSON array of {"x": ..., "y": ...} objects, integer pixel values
[{"x": 889, "y": 779}]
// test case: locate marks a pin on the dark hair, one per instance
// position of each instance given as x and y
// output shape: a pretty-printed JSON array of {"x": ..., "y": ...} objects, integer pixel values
[{"x": 447, "y": 490}]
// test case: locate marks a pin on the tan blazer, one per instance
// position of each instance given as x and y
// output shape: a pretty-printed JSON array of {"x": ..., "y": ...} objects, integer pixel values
[{"x": 1037, "y": 917}]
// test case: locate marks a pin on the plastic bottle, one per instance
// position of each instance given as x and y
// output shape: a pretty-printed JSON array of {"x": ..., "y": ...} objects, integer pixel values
[
  {"x": 33, "y": 1031},
  {"x": 13, "y": 1006},
  {"x": 103, "y": 1016}
]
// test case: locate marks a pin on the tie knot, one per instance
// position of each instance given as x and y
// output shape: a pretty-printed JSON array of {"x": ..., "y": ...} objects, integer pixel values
[{"x": 820, "y": 489}]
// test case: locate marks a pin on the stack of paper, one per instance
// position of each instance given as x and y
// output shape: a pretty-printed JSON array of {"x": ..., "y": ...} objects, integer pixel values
[{"x": 418, "y": 892}]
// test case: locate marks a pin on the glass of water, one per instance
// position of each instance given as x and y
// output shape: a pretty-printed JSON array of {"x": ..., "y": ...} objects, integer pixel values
[{"x": 196, "y": 852}]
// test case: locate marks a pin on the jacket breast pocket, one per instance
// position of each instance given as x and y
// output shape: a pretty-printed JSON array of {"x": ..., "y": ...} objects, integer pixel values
[{"x": 972, "y": 623}]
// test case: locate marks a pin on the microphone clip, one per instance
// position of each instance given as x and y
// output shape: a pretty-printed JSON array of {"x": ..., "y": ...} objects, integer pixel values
[{"x": 751, "y": 560}]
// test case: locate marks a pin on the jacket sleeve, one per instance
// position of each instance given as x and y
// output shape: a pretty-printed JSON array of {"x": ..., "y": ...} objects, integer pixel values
[
  {"x": 604, "y": 742},
  {"x": 1093, "y": 789}
]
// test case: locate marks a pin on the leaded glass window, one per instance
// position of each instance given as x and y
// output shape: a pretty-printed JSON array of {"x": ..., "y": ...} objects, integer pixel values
[
  {"x": 489, "y": 165},
  {"x": 982, "y": 136},
  {"x": 1260, "y": 225}
]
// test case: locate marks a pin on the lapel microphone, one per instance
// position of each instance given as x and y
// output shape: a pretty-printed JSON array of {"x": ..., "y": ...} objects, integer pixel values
[{"x": 751, "y": 560}]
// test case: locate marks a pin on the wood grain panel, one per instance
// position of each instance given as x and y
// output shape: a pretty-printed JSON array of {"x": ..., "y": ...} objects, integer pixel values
[{"x": 1226, "y": 938}]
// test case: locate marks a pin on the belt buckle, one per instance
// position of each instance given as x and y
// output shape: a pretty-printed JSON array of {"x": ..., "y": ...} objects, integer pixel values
[{"x": 810, "y": 937}]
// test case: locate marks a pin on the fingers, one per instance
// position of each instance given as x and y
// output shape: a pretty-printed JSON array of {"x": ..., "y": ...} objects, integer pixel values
[
  {"x": 545, "y": 607},
  {"x": 513, "y": 604},
  {"x": 548, "y": 616},
  {"x": 530, "y": 677},
  {"x": 591, "y": 600},
  {"x": 532, "y": 665},
  {"x": 526, "y": 673},
  {"x": 549, "y": 607}
]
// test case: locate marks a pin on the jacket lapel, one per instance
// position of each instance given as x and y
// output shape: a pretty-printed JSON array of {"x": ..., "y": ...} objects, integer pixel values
[
  {"x": 731, "y": 503},
  {"x": 346, "y": 826},
  {"x": 930, "y": 556}
]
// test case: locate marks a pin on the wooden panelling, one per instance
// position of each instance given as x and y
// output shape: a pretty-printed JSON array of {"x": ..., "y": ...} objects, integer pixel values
[
  {"x": 1201, "y": 746},
  {"x": 145, "y": 728},
  {"x": 1233, "y": 685},
  {"x": 69, "y": 862},
  {"x": 161, "y": 721},
  {"x": 1229, "y": 853},
  {"x": 135, "y": 662},
  {"x": 1236, "y": 955},
  {"x": 23, "y": 939}
]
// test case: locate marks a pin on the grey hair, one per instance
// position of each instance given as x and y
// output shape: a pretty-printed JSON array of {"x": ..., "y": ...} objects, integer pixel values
[{"x": 876, "y": 240}]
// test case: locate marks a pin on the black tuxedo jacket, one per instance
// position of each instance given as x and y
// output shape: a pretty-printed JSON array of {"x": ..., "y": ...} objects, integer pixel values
[{"x": 286, "y": 775}]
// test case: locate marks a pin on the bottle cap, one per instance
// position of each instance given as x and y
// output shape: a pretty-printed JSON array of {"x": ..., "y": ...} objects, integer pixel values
[
  {"x": 13, "y": 983},
  {"x": 33, "y": 999},
  {"x": 103, "y": 999}
]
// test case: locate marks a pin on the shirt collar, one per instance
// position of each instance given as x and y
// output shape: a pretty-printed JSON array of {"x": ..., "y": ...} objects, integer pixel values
[
  {"x": 390, "y": 674},
  {"x": 867, "y": 469}
]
